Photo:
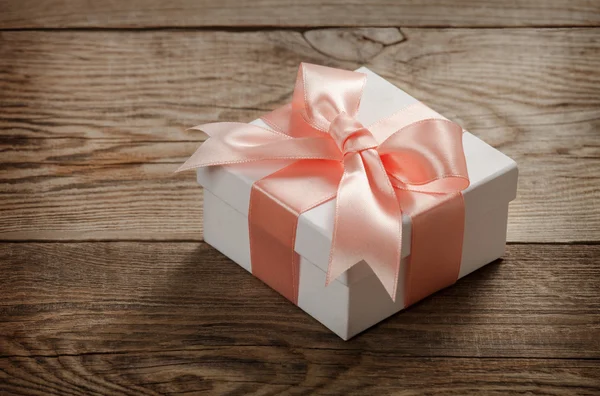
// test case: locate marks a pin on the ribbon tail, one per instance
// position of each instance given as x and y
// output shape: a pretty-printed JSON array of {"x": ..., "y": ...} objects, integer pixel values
[
  {"x": 235, "y": 143},
  {"x": 368, "y": 221}
]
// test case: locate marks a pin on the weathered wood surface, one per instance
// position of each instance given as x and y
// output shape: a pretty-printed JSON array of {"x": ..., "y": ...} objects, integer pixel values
[
  {"x": 93, "y": 123},
  {"x": 154, "y": 318},
  {"x": 110, "y": 289},
  {"x": 99, "y": 202},
  {"x": 281, "y": 371},
  {"x": 17, "y": 14}
]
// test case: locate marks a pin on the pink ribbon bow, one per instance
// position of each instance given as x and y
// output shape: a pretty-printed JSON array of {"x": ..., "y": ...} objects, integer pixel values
[{"x": 375, "y": 172}]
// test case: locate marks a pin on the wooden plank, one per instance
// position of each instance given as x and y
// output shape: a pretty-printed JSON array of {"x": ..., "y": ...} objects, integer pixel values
[
  {"x": 108, "y": 112},
  {"x": 81, "y": 189},
  {"x": 141, "y": 85},
  {"x": 269, "y": 371},
  {"x": 501, "y": 84},
  {"x": 19, "y": 152},
  {"x": 310, "y": 13},
  {"x": 541, "y": 301},
  {"x": 99, "y": 202}
]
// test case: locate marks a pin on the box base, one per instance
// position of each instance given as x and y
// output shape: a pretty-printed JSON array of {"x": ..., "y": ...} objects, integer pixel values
[{"x": 349, "y": 309}]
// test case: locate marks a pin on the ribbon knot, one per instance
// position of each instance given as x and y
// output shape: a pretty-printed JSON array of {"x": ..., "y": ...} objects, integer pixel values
[{"x": 350, "y": 135}]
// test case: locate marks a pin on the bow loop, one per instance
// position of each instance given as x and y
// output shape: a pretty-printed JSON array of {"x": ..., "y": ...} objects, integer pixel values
[
  {"x": 322, "y": 93},
  {"x": 235, "y": 143},
  {"x": 426, "y": 156}
]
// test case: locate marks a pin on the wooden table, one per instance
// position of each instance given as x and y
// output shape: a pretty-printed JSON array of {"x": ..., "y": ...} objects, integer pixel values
[{"x": 107, "y": 286}]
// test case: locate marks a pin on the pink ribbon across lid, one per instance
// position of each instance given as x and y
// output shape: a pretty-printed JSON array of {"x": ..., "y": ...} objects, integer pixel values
[{"x": 412, "y": 162}]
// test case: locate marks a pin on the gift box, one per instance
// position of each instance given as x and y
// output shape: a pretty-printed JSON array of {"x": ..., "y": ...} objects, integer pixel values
[{"x": 471, "y": 228}]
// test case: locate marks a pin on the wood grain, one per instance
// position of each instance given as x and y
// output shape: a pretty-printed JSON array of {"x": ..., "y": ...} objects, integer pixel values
[
  {"x": 96, "y": 120},
  {"x": 81, "y": 151},
  {"x": 279, "y": 370},
  {"x": 151, "y": 85},
  {"x": 155, "y": 318},
  {"x": 541, "y": 301},
  {"x": 107, "y": 287},
  {"x": 141, "y": 201},
  {"x": 310, "y": 13}
]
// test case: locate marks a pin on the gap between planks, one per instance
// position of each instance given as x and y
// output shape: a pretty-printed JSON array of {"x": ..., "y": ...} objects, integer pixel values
[
  {"x": 449, "y": 357},
  {"x": 299, "y": 29},
  {"x": 175, "y": 240}
]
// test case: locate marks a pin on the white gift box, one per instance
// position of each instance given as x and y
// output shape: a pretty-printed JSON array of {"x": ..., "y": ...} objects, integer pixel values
[{"x": 357, "y": 300}]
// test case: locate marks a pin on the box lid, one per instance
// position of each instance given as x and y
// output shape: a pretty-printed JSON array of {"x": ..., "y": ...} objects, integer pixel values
[{"x": 493, "y": 178}]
